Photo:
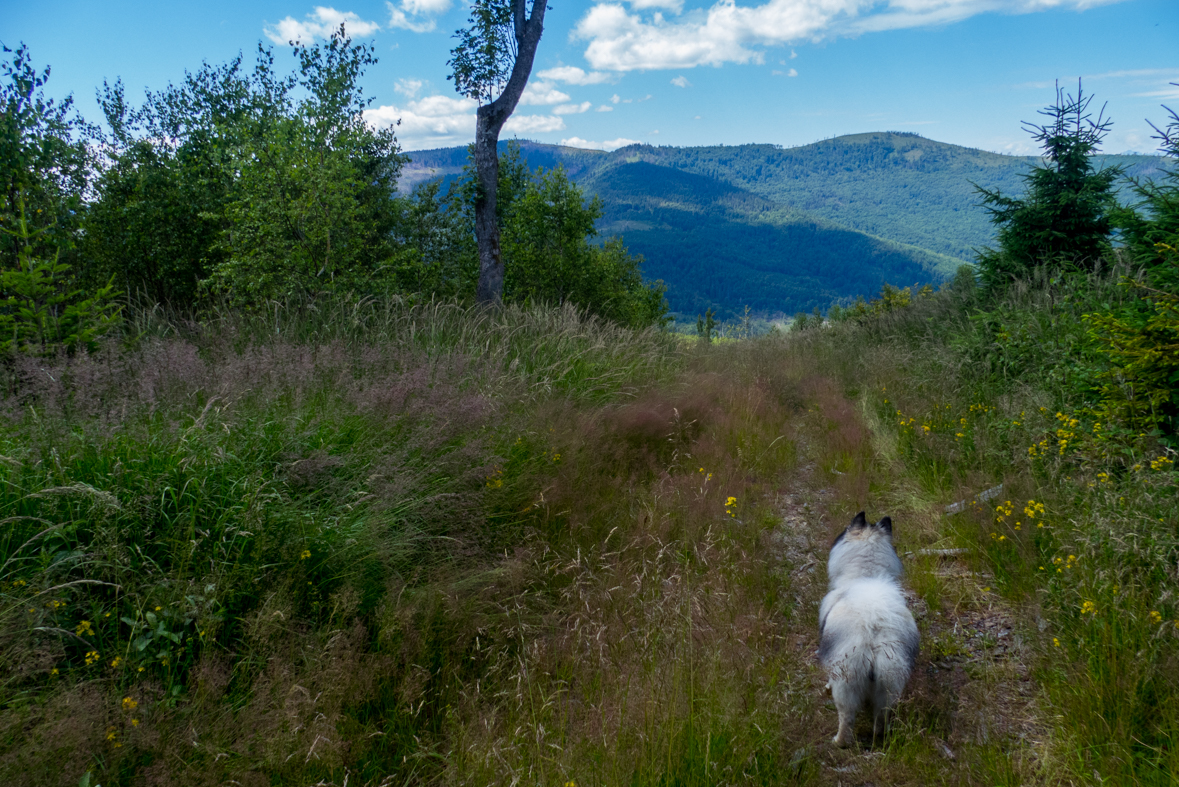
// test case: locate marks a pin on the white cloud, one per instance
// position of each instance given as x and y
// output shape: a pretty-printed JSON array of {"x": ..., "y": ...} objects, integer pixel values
[
  {"x": 614, "y": 99},
  {"x": 414, "y": 15},
  {"x": 681, "y": 81},
  {"x": 573, "y": 75},
  {"x": 614, "y": 144},
  {"x": 605, "y": 108},
  {"x": 534, "y": 124},
  {"x": 542, "y": 94},
  {"x": 320, "y": 23},
  {"x": 675, "y": 6},
  {"x": 573, "y": 109},
  {"x": 793, "y": 55},
  {"x": 408, "y": 87},
  {"x": 433, "y": 121},
  {"x": 621, "y": 40},
  {"x": 441, "y": 121}
]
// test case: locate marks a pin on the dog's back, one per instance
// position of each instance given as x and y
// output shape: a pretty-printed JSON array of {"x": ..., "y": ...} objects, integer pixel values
[{"x": 868, "y": 639}]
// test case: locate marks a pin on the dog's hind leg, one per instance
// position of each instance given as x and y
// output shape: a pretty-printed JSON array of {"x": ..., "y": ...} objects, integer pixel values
[
  {"x": 847, "y": 701},
  {"x": 881, "y": 708}
]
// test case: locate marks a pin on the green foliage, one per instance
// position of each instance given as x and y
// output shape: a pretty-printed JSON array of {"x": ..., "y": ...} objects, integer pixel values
[
  {"x": 1066, "y": 217},
  {"x": 228, "y": 185},
  {"x": 438, "y": 255},
  {"x": 483, "y": 60},
  {"x": 45, "y": 165},
  {"x": 1140, "y": 389},
  {"x": 1152, "y": 236},
  {"x": 39, "y": 312},
  {"x": 706, "y": 326},
  {"x": 549, "y": 257}
]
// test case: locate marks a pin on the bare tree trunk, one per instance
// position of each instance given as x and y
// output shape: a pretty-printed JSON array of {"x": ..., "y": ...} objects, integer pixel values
[{"x": 489, "y": 120}]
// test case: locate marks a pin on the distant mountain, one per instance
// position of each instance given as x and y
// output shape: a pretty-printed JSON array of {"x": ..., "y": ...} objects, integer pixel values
[{"x": 785, "y": 229}]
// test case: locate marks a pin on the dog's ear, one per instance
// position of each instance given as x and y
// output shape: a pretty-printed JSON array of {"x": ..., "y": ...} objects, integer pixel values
[
  {"x": 859, "y": 521},
  {"x": 885, "y": 524}
]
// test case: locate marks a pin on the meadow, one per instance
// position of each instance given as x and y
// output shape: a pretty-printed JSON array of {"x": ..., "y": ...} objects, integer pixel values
[{"x": 395, "y": 543}]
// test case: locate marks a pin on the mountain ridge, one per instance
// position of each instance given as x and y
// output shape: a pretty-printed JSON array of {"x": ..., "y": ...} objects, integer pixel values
[{"x": 783, "y": 229}]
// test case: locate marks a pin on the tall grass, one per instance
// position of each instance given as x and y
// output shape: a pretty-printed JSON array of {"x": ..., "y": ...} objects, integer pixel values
[
  {"x": 971, "y": 392},
  {"x": 395, "y": 544}
]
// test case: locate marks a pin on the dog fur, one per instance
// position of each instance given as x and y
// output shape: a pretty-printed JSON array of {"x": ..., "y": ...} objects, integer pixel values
[{"x": 868, "y": 639}]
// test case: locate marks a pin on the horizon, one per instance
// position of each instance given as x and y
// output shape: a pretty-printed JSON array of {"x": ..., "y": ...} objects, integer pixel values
[{"x": 678, "y": 73}]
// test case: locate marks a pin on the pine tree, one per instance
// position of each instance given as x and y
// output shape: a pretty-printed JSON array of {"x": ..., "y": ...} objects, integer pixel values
[{"x": 1066, "y": 216}]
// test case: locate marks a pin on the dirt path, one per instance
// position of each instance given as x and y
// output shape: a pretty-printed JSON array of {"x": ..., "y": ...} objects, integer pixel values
[{"x": 969, "y": 715}]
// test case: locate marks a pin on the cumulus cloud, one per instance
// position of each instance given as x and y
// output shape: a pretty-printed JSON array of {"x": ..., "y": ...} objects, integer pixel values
[
  {"x": 433, "y": 121},
  {"x": 320, "y": 23},
  {"x": 791, "y": 73},
  {"x": 605, "y": 108},
  {"x": 415, "y": 15},
  {"x": 675, "y": 6},
  {"x": 573, "y": 109},
  {"x": 534, "y": 124},
  {"x": 613, "y": 144},
  {"x": 542, "y": 94},
  {"x": 625, "y": 40},
  {"x": 681, "y": 81},
  {"x": 573, "y": 75},
  {"x": 441, "y": 121},
  {"x": 408, "y": 87}
]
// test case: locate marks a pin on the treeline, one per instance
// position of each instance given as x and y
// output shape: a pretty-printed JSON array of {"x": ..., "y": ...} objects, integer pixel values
[{"x": 246, "y": 186}]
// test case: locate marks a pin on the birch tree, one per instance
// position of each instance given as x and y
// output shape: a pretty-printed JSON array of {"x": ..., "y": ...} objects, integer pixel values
[{"x": 491, "y": 64}]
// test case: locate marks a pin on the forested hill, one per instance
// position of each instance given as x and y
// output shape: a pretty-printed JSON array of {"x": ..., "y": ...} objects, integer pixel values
[
  {"x": 898, "y": 186},
  {"x": 786, "y": 229}
]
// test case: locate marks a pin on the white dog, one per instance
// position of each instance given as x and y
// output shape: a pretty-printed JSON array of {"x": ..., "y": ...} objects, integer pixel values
[{"x": 868, "y": 640}]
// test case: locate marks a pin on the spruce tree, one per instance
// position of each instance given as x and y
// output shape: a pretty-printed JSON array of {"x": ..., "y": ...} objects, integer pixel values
[{"x": 1065, "y": 218}]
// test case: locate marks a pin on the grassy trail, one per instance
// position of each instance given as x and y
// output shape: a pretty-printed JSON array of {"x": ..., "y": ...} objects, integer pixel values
[{"x": 970, "y": 714}]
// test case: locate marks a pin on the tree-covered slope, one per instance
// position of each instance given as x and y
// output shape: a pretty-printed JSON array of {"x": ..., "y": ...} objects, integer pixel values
[
  {"x": 783, "y": 229},
  {"x": 718, "y": 246},
  {"x": 894, "y": 185}
]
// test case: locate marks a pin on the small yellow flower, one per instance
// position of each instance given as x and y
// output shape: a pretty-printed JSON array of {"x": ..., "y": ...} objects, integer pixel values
[
  {"x": 1155, "y": 617},
  {"x": 1088, "y": 607},
  {"x": 158, "y": 609},
  {"x": 306, "y": 553},
  {"x": 111, "y": 733},
  {"x": 91, "y": 657},
  {"x": 117, "y": 661},
  {"x": 986, "y": 590},
  {"x": 129, "y": 704},
  {"x": 732, "y": 501},
  {"x": 140, "y": 669},
  {"x": 1056, "y": 642},
  {"x": 135, "y": 722},
  {"x": 84, "y": 628},
  {"x": 53, "y": 672}
]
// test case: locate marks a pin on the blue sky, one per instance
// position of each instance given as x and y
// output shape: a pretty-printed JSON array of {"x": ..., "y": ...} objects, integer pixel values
[{"x": 673, "y": 72}]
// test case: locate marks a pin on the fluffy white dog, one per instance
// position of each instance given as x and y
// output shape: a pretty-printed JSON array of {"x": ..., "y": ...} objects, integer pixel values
[{"x": 868, "y": 638}]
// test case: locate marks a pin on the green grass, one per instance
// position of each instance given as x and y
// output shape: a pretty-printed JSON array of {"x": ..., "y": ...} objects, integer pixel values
[{"x": 425, "y": 544}]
